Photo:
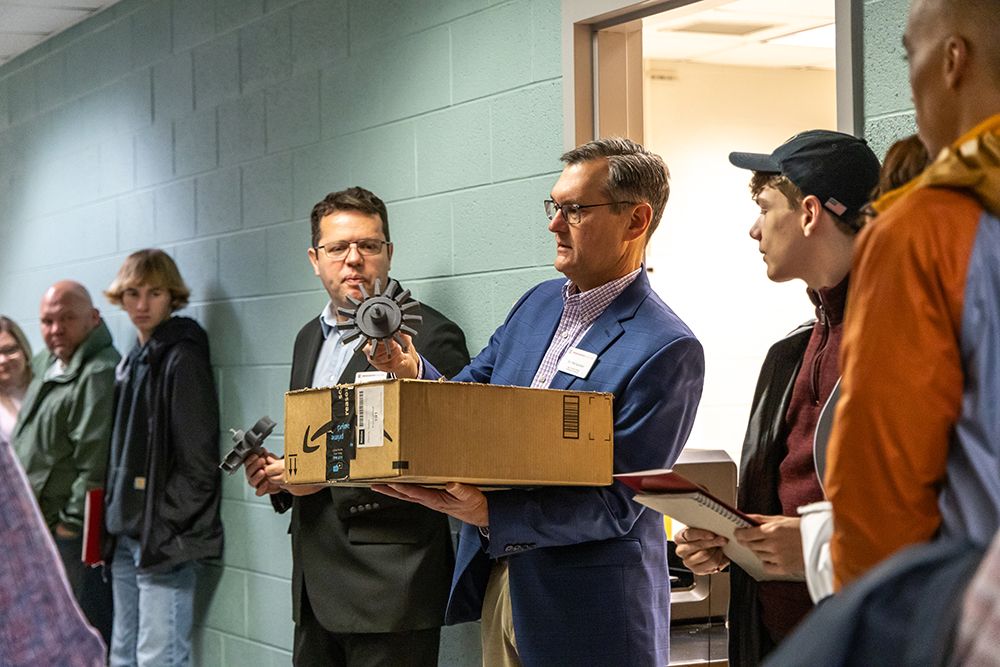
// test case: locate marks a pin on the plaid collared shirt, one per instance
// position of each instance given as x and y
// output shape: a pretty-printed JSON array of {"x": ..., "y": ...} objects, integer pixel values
[
  {"x": 580, "y": 311},
  {"x": 40, "y": 622}
]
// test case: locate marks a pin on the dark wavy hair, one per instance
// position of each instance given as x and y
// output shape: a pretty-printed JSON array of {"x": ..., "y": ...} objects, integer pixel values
[{"x": 351, "y": 199}]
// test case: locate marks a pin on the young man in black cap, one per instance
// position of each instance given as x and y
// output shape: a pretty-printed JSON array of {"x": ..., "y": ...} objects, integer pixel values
[{"x": 810, "y": 190}]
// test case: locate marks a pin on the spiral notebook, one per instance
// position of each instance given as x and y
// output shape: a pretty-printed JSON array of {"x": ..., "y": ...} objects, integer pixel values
[{"x": 671, "y": 494}]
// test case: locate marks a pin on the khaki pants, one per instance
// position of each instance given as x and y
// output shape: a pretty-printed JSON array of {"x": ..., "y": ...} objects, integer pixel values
[{"x": 497, "y": 632}]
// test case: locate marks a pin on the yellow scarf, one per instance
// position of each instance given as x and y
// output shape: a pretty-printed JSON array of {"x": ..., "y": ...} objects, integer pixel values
[{"x": 972, "y": 163}]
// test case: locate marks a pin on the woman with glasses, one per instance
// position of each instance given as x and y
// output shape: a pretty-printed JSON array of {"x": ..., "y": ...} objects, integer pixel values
[
  {"x": 161, "y": 504},
  {"x": 15, "y": 374}
]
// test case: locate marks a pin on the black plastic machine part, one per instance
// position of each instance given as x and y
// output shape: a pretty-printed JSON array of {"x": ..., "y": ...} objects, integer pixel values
[
  {"x": 379, "y": 317},
  {"x": 247, "y": 443}
]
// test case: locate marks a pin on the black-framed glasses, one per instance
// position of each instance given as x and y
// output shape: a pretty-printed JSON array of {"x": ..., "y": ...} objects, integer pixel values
[
  {"x": 571, "y": 212},
  {"x": 339, "y": 249}
]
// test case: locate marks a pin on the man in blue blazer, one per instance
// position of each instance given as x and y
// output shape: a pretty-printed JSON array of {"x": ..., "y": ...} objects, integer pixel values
[{"x": 578, "y": 575}]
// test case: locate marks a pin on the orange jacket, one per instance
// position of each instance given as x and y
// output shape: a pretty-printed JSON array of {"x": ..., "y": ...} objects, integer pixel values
[{"x": 907, "y": 425}]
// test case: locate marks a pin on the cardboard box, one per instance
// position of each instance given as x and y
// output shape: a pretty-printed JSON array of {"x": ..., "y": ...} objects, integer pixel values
[{"x": 436, "y": 432}]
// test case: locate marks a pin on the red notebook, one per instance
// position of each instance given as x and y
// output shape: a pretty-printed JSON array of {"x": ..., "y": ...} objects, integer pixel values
[
  {"x": 671, "y": 494},
  {"x": 93, "y": 517},
  {"x": 665, "y": 481}
]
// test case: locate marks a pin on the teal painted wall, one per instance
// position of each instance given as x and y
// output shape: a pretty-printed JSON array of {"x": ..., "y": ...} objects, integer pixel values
[
  {"x": 888, "y": 111},
  {"x": 210, "y": 129}
]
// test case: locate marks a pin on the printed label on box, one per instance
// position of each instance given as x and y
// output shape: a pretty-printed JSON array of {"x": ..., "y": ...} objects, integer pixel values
[
  {"x": 370, "y": 402},
  {"x": 369, "y": 376},
  {"x": 571, "y": 417}
]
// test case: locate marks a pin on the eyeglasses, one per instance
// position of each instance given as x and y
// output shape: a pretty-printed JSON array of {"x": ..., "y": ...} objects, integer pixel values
[
  {"x": 339, "y": 249},
  {"x": 571, "y": 212},
  {"x": 10, "y": 352}
]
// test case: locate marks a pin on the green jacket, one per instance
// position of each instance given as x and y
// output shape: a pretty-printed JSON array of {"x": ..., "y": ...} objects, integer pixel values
[{"x": 63, "y": 431}]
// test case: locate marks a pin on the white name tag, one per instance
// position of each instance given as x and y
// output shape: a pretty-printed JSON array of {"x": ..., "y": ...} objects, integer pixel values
[
  {"x": 577, "y": 362},
  {"x": 369, "y": 376}
]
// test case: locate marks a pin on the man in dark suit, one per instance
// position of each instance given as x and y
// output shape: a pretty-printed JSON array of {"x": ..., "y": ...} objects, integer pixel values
[
  {"x": 370, "y": 574},
  {"x": 578, "y": 575}
]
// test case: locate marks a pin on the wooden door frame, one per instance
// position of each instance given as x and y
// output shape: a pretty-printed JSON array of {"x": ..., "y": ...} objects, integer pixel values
[{"x": 610, "y": 63}]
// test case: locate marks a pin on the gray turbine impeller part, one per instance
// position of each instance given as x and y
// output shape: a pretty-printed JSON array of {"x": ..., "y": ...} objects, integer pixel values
[
  {"x": 379, "y": 317},
  {"x": 247, "y": 443}
]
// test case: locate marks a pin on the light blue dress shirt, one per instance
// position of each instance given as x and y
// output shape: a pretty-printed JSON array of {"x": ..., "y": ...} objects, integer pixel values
[{"x": 334, "y": 355}]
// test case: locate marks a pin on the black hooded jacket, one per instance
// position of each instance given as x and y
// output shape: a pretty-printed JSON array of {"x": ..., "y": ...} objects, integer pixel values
[
  {"x": 164, "y": 486},
  {"x": 763, "y": 451}
]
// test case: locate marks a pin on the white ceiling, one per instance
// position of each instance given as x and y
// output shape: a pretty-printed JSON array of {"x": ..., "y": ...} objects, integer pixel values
[
  {"x": 25, "y": 23},
  {"x": 669, "y": 36}
]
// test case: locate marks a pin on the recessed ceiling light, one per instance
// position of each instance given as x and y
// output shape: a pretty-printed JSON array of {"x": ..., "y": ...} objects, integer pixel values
[
  {"x": 823, "y": 37},
  {"x": 729, "y": 28}
]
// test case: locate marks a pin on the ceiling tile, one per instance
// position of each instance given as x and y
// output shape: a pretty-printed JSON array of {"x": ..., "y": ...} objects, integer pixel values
[
  {"x": 37, "y": 20},
  {"x": 685, "y": 46},
  {"x": 769, "y": 55},
  {"x": 662, "y": 40},
  {"x": 781, "y": 7},
  {"x": 13, "y": 44},
  {"x": 25, "y": 23},
  {"x": 64, "y": 4}
]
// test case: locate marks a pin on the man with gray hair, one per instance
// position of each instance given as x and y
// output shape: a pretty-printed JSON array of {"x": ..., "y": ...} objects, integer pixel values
[
  {"x": 578, "y": 575},
  {"x": 63, "y": 431}
]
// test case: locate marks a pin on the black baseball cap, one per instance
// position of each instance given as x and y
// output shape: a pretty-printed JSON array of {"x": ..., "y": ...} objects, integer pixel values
[{"x": 838, "y": 169}]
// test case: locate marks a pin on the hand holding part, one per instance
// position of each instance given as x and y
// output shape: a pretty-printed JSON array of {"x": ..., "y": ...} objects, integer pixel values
[
  {"x": 400, "y": 360},
  {"x": 379, "y": 317},
  {"x": 256, "y": 467},
  {"x": 247, "y": 443},
  {"x": 701, "y": 550},
  {"x": 274, "y": 473},
  {"x": 777, "y": 541}
]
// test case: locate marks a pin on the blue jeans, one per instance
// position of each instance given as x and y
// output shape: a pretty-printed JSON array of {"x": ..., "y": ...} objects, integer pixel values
[{"x": 153, "y": 612}]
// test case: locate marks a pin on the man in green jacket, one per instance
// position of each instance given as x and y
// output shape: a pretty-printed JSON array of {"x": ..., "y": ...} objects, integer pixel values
[{"x": 63, "y": 430}]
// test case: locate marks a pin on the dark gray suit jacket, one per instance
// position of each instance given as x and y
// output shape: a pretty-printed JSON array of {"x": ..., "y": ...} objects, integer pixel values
[{"x": 370, "y": 563}]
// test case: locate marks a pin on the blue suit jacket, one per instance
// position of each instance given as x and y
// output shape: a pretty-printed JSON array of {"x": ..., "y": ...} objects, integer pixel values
[{"x": 588, "y": 575}]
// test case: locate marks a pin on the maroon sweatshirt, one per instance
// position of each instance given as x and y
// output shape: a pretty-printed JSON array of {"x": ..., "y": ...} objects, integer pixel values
[{"x": 783, "y": 603}]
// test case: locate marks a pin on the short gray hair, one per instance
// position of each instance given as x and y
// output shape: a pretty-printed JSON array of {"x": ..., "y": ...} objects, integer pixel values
[{"x": 635, "y": 174}]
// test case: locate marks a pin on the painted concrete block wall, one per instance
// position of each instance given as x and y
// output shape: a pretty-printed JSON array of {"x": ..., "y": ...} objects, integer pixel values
[
  {"x": 210, "y": 127},
  {"x": 889, "y": 112}
]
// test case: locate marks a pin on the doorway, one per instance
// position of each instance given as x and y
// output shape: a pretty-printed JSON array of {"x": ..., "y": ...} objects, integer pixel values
[
  {"x": 716, "y": 76},
  {"x": 743, "y": 76}
]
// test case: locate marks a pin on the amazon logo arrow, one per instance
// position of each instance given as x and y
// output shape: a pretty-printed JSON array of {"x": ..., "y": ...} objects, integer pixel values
[{"x": 323, "y": 430}]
